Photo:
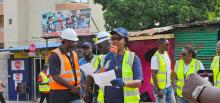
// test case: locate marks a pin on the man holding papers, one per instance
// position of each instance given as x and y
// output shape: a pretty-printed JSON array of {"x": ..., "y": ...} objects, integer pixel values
[{"x": 87, "y": 57}]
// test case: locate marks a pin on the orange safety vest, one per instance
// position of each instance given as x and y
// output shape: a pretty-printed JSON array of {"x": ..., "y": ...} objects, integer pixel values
[{"x": 66, "y": 71}]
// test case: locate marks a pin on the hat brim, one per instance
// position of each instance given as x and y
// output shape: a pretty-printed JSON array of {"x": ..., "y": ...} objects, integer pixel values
[
  {"x": 102, "y": 40},
  {"x": 75, "y": 39},
  {"x": 112, "y": 32}
]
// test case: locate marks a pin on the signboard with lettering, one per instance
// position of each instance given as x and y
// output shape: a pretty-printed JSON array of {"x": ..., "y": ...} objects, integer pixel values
[{"x": 53, "y": 23}]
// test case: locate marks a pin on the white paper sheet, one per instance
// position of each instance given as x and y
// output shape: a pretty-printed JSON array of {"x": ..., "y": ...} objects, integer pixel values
[
  {"x": 87, "y": 68},
  {"x": 103, "y": 79}
]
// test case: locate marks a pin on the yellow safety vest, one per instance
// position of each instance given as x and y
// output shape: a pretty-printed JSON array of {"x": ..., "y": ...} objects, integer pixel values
[
  {"x": 44, "y": 87},
  {"x": 96, "y": 59},
  {"x": 179, "y": 68},
  {"x": 162, "y": 71},
  {"x": 131, "y": 95},
  {"x": 215, "y": 68}
]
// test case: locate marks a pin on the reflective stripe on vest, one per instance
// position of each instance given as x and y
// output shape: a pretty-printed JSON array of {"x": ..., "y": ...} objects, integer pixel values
[
  {"x": 162, "y": 70},
  {"x": 193, "y": 68},
  {"x": 98, "y": 59},
  {"x": 66, "y": 71},
  {"x": 44, "y": 87},
  {"x": 215, "y": 68},
  {"x": 131, "y": 95}
]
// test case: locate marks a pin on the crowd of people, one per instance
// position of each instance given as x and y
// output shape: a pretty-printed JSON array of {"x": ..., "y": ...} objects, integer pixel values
[{"x": 67, "y": 83}]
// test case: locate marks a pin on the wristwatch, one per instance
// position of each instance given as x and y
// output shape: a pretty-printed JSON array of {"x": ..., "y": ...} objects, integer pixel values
[{"x": 198, "y": 91}]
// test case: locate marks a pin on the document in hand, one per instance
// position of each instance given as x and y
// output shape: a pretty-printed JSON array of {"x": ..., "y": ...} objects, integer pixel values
[
  {"x": 87, "y": 68},
  {"x": 103, "y": 79}
]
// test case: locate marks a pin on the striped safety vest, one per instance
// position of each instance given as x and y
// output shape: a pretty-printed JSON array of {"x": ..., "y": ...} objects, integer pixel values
[
  {"x": 44, "y": 85},
  {"x": 179, "y": 68},
  {"x": 162, "y": 71},
  {"x": 98, "y": 59},
  {"x": 215, "y": 68},
  {"x": 131, "y": 95},
  {"x": 66, "y": 71}
]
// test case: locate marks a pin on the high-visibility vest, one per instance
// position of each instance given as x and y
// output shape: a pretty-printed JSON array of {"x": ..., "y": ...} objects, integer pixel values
[
  {"x": 66, "y": 71},
  {"x": 131, "y": 95},
  {"x": 98, "y": 59},
  {"x": 44, "y": 86},
  {"x": 194, "y": 66},
  {"x": 162, "y": 70},
  {"x": 215, "y": 68}
]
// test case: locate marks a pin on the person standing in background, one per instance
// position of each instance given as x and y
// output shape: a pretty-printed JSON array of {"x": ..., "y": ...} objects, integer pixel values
[{"x": 2, "y": 86}]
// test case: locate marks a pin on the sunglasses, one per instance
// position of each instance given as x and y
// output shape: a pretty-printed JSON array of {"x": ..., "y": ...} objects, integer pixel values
[{"x": 116, "y": 38}]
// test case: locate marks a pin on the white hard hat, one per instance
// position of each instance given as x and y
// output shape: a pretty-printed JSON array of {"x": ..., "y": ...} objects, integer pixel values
[
  {"x": 69, "y": 34},
  {"x": 102, "y": 36}
]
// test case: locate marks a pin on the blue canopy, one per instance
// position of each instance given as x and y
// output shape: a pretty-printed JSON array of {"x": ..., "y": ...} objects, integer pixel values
[{"x": 38, "y": 46}]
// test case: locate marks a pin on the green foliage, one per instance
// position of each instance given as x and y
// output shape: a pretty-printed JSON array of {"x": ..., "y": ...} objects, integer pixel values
[{"x": 142, "y": 14}]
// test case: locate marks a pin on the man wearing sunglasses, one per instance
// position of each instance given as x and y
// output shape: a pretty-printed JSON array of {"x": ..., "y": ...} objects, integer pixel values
[
  {"x": 187, "y": 65},
  {"x": 161, "y": 72},
  {"x": 102, "y": 43}
]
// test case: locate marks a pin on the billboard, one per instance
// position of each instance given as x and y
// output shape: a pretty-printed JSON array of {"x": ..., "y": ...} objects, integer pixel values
[{"x": 53, "y": 23}]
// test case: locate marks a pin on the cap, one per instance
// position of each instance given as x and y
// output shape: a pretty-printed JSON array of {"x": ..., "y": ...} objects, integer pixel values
[
  {"x": 88, "y": 44},
  {"x": 45, "y": 66},
  {"x": 120, "y": 31}
]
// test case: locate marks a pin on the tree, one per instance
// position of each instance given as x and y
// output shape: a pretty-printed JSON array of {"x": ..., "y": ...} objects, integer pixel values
[{"x": 143, "y": 14}]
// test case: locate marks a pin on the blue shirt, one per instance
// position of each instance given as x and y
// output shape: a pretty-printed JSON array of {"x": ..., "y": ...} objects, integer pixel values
[
  {"x": 116, "y": 95},
  {"x": 83, "y": 77}
]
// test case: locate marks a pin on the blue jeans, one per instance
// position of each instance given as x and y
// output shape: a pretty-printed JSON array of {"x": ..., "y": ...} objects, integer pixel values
[
  {"x": 181, "y": 100},
  {"x": 168, "y": 96}
]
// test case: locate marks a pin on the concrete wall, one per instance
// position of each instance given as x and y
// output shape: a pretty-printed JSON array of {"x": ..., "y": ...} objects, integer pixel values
[
  {"x": 4, "y": 71},
  {"x": 97, "y": 15},
  {"x": 10, "y": 30}
]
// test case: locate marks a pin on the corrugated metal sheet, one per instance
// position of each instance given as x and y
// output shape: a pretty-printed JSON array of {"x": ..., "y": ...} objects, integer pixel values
[{"x": 203, "y": 42}]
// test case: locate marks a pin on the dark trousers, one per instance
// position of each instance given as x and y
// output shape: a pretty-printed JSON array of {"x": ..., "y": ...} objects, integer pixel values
[
  {"x": 43, "y": 96},
  {"x": 63, "y": 96},
  {"x": 2, "y": 99}
]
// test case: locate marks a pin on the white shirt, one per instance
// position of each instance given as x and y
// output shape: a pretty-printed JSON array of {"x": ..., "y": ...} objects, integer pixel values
[
  {"x": 154, "y": 66},
  {"x": 186, "y": 67}
]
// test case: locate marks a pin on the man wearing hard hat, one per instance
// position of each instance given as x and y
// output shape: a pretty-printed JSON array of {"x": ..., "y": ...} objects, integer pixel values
[
  {"x": 64, "y": 70},
  {"x": 103, "y": 44}
]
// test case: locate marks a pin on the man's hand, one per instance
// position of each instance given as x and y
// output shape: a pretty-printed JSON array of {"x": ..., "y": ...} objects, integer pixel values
[
  {"x": 190, "y": 84},
  {"x": 160, "y": 94},
  {"x": 75, "y": 89},
  {"x": 86, "y": 97}
]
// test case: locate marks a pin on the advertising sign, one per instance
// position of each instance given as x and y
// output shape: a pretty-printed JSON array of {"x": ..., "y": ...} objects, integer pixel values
[{"x": 53, "y": 23}]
